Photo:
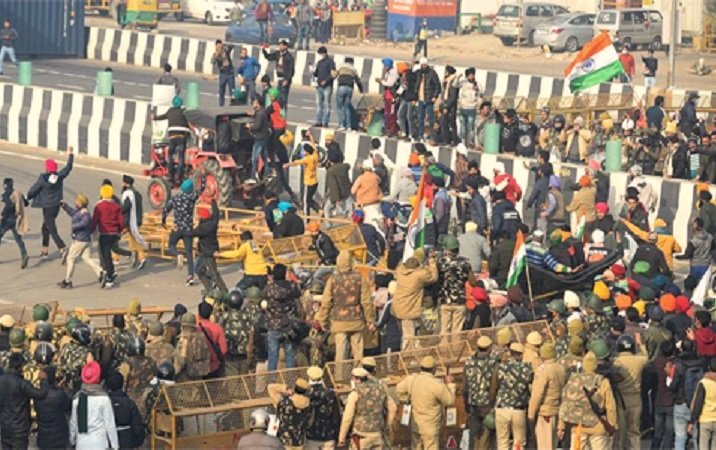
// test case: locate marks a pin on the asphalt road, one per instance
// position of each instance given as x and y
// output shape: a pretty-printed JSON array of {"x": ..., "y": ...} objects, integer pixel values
[
  {"x": 136, "y": 83},
  {"x": 160, "y": 283}
]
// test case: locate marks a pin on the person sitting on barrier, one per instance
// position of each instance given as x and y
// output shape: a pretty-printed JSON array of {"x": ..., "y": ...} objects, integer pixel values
[
  {"x": 255, "y": 268},
  {"x": 258, "y": 438},
  {"x": 290, "y": 224}
]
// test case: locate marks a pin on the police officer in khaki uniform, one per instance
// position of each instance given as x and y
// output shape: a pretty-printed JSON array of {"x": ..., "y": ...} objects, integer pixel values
[
  {"x": 369, "y": 410},
  {"x": 545, "y": 398},
  {"x": 428, "y": 397},
  {"x": 630, "y": 366},
  {"x": 532, "y": 345}
]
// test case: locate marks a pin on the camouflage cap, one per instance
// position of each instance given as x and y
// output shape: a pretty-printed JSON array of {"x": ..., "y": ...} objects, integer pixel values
[
  {"x": 188, "y": 320},
  {"x": 451, "y": 242},
  {"x": 17, "y": 337},
  {"x": 556, "y": 306},
  {"x": 156, "y": 328},
  {"x": 504, "y": 336},
  {"x": 135, "y": 307},
  {"x": 40, "y": 312}
]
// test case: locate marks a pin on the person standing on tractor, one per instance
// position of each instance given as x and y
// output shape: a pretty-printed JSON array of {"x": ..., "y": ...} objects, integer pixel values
[
  {"x": 167, "y": 79},
  {"x": 132, "y": 213},
  {"x": 260, "y": 131},
  {"x": 222, "y": 60},
  {"x": 183, "y": 206},
  {"x": 177, "y": 129},
  {"x": 277, "y": 152},
  {"x": 46, "y": 193},
  {"x": 285, "y": 67}
]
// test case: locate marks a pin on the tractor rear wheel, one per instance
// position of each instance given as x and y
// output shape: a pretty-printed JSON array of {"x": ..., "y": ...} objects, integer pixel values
[
  {"x": 158, "y": 193},
  {"x": 219, "y": 186}
]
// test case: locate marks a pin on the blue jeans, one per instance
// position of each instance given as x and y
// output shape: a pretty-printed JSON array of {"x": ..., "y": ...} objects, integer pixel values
[
  {"x": 304, "y": 34},
  {"x": 263, "y": 29},
  {"x": 7, "y": 51},
  {"x": 258, "y": 150},
  {"x": 467, "y": 126},
  {"x": 12, "y": 227},
  {"x": 275, "y": 340},
  {"x": 323, "y": 102},
  {"x": 406, "y": 113},
  {"x": 682, "y": 415},
  {"x": 423, "y": 109},
  {"x": 226, "y": 80},
  {"x": 344, "y": 95},
  {"x": 663, "y": 428},
  {"x": 250, "y": 86}
]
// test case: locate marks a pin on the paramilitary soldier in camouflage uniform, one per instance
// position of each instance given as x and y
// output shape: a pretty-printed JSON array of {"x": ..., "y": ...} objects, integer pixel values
[
  {"x": 164, "y": 375},
  {"x": 191, "y": 357},
  {"x": 138, "y": 371},
  {"x": 479, "y": 389},
  {"x": 325, "y": 412},
  {"x": 40, "y": 314},
  {"x": 43, "y": 333},
  {"x": 514, "y": 378},
  {"x": 293, "y": 412},
  {"x": 62, "y": 337},
  {"x": 237, "y": 323},
  {"x": 157, "y": 347},
  {"x": 369, "y": 412},
  {"x": 118, "y": 337},
  {"x": 572, "y": 361},
  {"x": 598, "y": 325},
  {"x": 576, "y": 409},
  {"x": 17, "y": 345},
  {"x": 73, "y": 357},
  {"x": 134, "y": 321},
  {"x": 42, "y": 358}
]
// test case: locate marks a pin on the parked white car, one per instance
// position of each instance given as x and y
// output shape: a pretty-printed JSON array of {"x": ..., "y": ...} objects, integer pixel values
[{"x": 210, "y": 11}]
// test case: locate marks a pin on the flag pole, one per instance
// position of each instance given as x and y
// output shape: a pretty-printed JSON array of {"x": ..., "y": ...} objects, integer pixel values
[{"x": 529, "y": 289}]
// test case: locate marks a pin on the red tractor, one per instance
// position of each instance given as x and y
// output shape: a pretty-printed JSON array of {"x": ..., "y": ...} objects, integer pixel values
[{"x": 219, "y": 146}]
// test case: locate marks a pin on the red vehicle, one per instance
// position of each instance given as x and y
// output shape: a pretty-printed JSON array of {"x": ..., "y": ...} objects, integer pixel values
[{"x": 219, "y": 146}]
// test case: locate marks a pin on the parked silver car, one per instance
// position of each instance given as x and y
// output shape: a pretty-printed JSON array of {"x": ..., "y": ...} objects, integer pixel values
[
  {"x": 518, "y": 21},
  {"x": 566, "y": 31},
  {"x": 633, "y": 26}
]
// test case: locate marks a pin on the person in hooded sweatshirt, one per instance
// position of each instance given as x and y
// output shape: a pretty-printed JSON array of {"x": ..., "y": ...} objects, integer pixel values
[
  {"x": 92, "y": 424},
  {"x": 16, "y": 393},
  {"x": 51, "y": 414},
  {"x": 13, "y": 217},
  {"x": 46, "y": 194},
  {"x": 704, "y": 335},
  {"x": 698, "y": 251},
  {"x": 282, "y": 297}
]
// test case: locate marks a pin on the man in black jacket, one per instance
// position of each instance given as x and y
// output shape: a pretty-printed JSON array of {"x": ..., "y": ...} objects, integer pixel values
[
  {"x": 448, "y": 117},
  {"x": 687, "y": 116},
  {"x": 177, "y": 129},
  {"x": 290, "y": 225},
  {"x": 428, "y": 91},
  {"x": 130, "y": 427},
  {"x": 16, "y": 393},
  {"x": 324, "y": 72},
  {"x": 285, "y": 67},
  {"x": 206, "y": 231},
  {"x": 260, "y": 129},
  {"x": 52, "y": 412}
]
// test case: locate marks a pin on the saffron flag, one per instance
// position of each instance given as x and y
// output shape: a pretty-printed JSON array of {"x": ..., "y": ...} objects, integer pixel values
[
  {"x": 416, "y": 226},
  {"x": 596, "y": 63},
  {"x": 519, "y": 261}
]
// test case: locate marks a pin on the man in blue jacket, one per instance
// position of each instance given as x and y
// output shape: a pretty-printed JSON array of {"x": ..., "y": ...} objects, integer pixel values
[{"x": 249, "y": 69}]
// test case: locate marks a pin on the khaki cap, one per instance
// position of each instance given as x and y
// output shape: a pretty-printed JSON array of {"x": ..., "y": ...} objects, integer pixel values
[
  {"x": 314, "y": 373},
  {"x": 534, "y": 338},
  {"x": 427, "y": 363},
  {"x": 359, "y": 372},
  {"x": 504, "y": 336},
  {"x": 7, "y": 321},
  {"x": 484, "y": 342},
  {"x": 368, "y": 361},
  {"x": 302, "y": 384},
  {"x": 517, "y": 347}
]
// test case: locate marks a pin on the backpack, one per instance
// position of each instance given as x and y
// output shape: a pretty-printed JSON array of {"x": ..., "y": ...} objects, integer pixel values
[
  {"x": 692, "y": 377},
  {"x": 575, "y": 407},
  {"x": 198, "y": 365}
]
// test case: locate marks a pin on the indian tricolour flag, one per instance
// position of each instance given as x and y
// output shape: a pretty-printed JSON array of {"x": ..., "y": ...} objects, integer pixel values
[
  {"x": 581, "y": 226},
  {"x": 598, "y": 62},
  {"x": 519, "y": 261},
  {"x": 416, "y": 226}
]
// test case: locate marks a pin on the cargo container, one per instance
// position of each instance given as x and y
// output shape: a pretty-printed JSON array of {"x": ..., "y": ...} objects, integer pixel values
[
  {"x": 405, "y": 17},
  {"x": 47, "y": 27}
]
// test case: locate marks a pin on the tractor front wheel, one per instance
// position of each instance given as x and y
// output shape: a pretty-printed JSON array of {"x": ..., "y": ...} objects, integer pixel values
[
  {"x": 159, "y": 192},
  {"x": 219, "y": 186}
]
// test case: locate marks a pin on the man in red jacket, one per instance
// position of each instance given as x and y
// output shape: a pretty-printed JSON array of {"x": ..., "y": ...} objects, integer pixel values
[
  {"x": 216, "y": 337},
  {"x": 107, "y": 219},
  {"x": 627, "y": 60},
  {"x": 704, "y": 335}
]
